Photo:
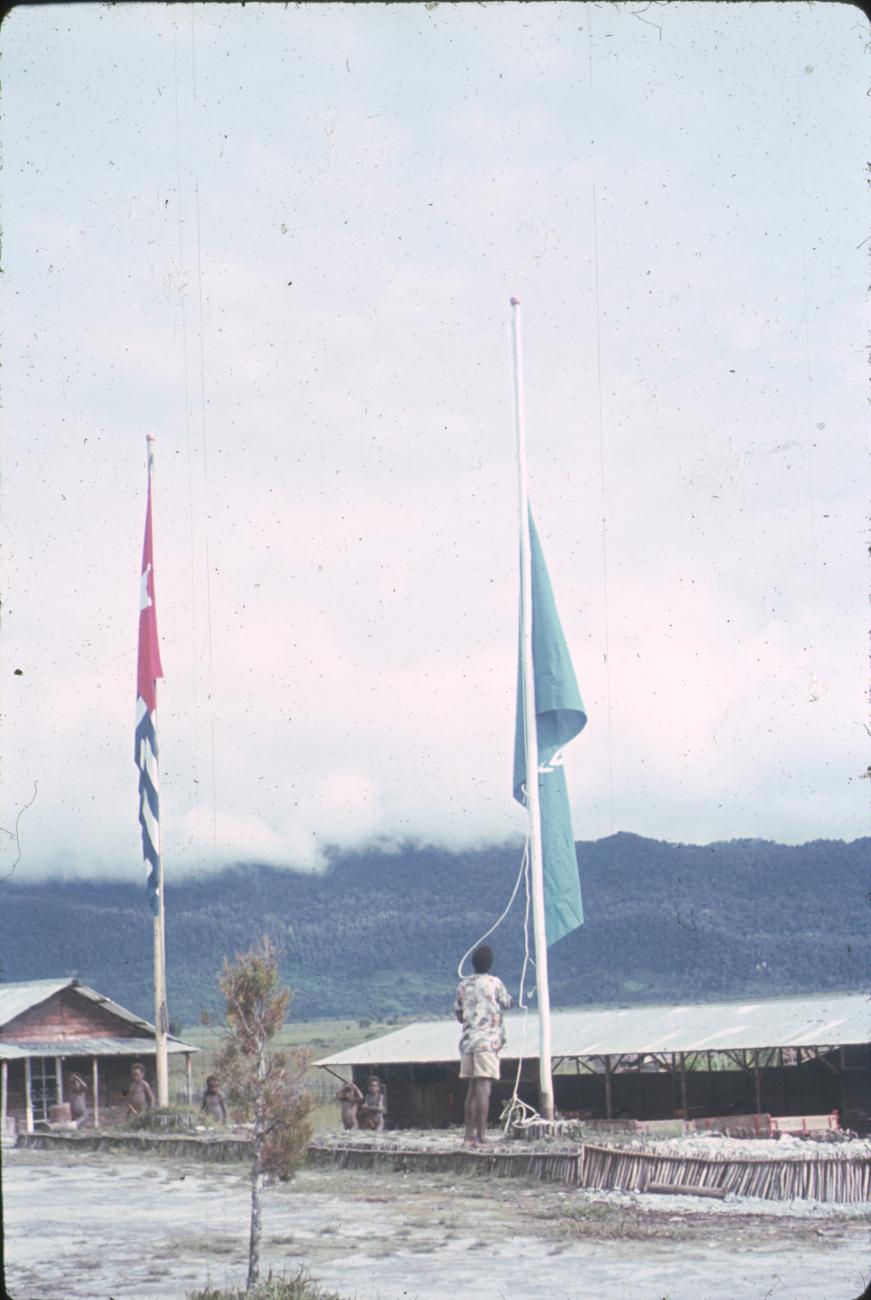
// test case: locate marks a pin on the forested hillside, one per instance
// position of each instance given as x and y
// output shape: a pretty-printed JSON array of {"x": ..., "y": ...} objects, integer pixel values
[{"x": 381, "y": 933}]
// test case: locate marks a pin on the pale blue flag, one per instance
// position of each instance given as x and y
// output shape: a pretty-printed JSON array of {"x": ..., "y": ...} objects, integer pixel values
[{"x": 560, "y": 716}]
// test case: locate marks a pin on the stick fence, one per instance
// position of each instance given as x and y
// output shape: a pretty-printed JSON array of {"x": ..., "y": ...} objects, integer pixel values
[{"x": 830, "y": 1177}]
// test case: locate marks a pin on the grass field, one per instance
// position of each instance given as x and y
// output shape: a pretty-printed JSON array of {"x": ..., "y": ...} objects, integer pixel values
[{"x": 321, "y": 1037}]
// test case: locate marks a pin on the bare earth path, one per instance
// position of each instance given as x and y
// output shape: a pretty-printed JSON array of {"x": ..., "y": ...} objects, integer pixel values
[{"x": 97, "y": 1227}]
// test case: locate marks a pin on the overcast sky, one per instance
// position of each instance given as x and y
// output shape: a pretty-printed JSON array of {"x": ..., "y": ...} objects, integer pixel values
[{"x": 283, "y": 240}]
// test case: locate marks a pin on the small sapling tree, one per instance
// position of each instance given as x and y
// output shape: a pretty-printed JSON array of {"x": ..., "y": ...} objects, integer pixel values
[{"x": 265, "y": 1085}]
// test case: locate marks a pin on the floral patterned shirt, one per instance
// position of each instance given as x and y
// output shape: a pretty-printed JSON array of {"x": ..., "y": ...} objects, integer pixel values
[{"x": 478, "y": 1006}]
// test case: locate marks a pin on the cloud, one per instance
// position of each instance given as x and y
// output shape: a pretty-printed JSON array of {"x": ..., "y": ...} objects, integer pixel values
[{"x": 298, "y": 277}]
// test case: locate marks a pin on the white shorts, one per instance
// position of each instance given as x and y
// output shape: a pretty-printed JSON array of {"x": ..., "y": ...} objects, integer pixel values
[{"x": 479, "y": 1065}]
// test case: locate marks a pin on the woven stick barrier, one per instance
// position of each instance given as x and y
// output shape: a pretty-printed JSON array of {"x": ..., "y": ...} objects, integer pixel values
[
  {"x": 551, "y": 1167},
  {"x": 845, "y": 1179}
]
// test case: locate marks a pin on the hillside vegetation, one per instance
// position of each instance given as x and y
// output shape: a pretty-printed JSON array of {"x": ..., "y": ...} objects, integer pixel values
[{"x": 380, "y": 934}]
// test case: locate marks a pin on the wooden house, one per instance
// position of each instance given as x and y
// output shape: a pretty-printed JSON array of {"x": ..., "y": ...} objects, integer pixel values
[{"x": 54, "y": 1028}]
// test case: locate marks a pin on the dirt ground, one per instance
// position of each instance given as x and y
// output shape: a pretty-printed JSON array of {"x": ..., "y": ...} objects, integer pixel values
[{"x": 108, "y": 1227}]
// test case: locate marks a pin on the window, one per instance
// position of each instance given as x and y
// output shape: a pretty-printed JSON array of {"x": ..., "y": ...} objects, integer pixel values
[{"x": 43, "y": 1086}]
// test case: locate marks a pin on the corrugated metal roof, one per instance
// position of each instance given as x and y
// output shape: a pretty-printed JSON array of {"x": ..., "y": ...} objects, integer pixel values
[
  {"x": 109, "y": 1005},
  {"x": 824, "y": 1020},
  {"x": 90, "y": 1047},
  {"x": 15, "y": 999}
]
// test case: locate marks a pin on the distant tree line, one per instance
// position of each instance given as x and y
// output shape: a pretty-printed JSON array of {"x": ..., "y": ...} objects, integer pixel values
[{"x": 380, "y": 934}]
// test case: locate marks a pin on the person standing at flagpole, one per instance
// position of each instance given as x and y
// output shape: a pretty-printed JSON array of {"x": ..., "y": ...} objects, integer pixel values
[
  {"x": 480, "y": 1001},
  {"x": 149, "y": 671}
]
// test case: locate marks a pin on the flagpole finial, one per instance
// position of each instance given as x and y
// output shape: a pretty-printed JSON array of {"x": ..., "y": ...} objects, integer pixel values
[{"x": 515, "y": 302}]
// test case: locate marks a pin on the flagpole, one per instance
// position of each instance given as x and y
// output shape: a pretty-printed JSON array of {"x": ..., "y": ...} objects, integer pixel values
[
  {"x": 161, "y": 1018},
  {"x": 545, "y": 1078}
]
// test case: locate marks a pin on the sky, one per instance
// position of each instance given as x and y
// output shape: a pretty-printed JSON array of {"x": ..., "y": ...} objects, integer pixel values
[{"x": 283, "y": 240}]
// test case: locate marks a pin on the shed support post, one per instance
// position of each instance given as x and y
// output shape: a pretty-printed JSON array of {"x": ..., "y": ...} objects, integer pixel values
[
  {"x": 59, "y": 1078},
  {"x": 683, "y": 1087},
  {"x": 188, "y": 1079},
  {"x": 756, "y": 1084},
  {"x": 95, "y": 1090},
  {"x": 4, "y": 1098},
  {"x": 28, "y": 1097},
  {"x": 711, "y": 1092},
  {"x": 608, "y": 1099}
]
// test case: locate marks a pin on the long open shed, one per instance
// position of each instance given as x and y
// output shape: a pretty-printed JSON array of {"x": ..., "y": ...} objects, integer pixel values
[
  {"x": 52, "y": 1028},
  {"x": 789, "y": 1056}
]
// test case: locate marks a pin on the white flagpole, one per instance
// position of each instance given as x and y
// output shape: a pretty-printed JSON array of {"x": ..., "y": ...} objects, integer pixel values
[
  {"x": 161, "y": 1017},
  {"x": 545, "y": 1078}
]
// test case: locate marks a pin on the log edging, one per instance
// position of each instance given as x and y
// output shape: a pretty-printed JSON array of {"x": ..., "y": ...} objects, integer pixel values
[
  {"x": 560, "y": 1167},
  {"x": 213, "y": 1149}
]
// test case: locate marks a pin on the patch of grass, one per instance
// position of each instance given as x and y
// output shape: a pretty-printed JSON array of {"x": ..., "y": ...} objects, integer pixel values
[
  {"x": 326, "y": 1118},
  {"x": 163, "y": 1119},
  {"x": 300, "y": 1287},
  {"x": 205, "y": 1245},
  {"x": 608, "y": 1222},
  {"x": 323, "y": 1037}
]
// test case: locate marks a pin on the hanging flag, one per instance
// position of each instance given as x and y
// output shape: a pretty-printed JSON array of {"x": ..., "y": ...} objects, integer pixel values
[
  {"x": 149, "y": 670},
  {"x": 560, "y": 716}
]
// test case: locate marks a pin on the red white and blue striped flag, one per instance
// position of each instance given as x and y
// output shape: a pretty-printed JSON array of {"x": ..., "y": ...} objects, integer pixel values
[{"x": 149, "y": 670}]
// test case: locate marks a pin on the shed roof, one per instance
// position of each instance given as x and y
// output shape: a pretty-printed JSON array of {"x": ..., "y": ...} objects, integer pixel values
[
  {"x": 823, "y": 1020},
  {"x": 16, "y": 999}
]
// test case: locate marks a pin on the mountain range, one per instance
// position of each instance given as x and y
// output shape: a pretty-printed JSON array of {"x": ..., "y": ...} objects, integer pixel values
[{"x": 379, "y": 933}]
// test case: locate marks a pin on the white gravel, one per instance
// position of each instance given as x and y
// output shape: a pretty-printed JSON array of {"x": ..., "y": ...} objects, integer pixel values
[
  {"x": 712, "y": 1146},
  {"x": 101, "y": 1227},
  {"x": 731, "y": 1204}
]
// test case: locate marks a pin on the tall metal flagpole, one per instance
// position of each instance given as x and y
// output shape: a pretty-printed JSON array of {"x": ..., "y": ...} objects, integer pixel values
[
  {"x": 545, "y": 1077},
  {"x": 161, "y": 1017}
]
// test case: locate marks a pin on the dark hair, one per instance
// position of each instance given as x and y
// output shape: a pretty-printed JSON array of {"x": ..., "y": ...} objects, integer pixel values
[
  {"x": 212, "y": 1080},
  {"x": 482, "y": 959}
]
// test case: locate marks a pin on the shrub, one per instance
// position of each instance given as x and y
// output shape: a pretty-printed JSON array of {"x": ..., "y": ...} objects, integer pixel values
[
  {"x": 163, "y": 1119},
  {"x": 300, "y": 1287},
  {"x": 265, "y": 1085}
]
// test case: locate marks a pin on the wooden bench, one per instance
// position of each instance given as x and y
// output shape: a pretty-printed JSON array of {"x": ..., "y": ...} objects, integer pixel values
[{"x": 805, "y": 1123}]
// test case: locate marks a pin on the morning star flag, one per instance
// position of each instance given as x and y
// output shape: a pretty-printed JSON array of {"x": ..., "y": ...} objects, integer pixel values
[
  {"x": 149, "y": 670},
  {"x": 560, "y": 716}
]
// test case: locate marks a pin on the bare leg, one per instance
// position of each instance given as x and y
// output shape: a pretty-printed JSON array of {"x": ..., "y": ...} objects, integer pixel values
[
  {"x": 482, "y": 1107},
  {"x": 471, "y": 1091}
]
